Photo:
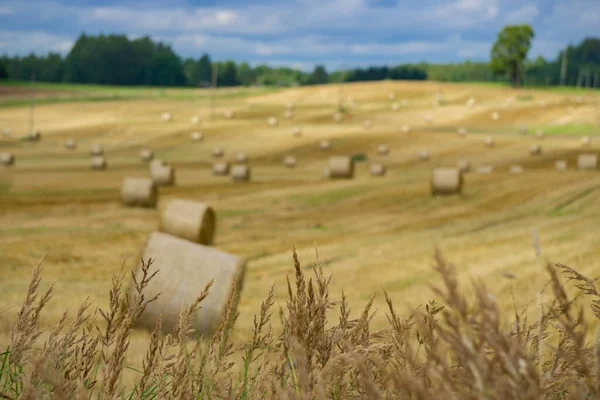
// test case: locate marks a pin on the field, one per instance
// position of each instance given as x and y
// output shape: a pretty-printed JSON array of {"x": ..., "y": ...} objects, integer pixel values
[{"x": 371, "y": 233}]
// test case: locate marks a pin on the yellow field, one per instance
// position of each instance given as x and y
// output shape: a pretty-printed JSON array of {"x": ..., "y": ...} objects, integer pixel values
[{"x": 371, "y": 233}]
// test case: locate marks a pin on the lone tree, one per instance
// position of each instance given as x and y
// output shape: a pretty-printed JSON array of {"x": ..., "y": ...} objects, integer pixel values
[{"x": 510, "y": 50}]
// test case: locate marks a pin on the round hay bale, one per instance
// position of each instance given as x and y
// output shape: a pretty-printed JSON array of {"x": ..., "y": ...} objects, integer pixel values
[
  {"x": 535, "y": 150},
  {"x": 464, "y": 165},
  {"x": 579, "y": 99},
  {"x": 139, "y": 192},
  {"x": 6, "y": 132},
  {"x": 325, "y": 145},
  {"x": 338, "y": 116},
  {"x": 197, "y": 136},
  {"x": 392, "y": 96},
  {"x": 446, "y": 181},
  {"x": 471, "y": 102},
  {"x": 585, "y": 141},
  {"x": 167, "y": 117},
  {"x": 428, "y": 118},
  {"x": 241, "y": 158},
  {"x": 587, "y": 161},
  {"x": 424, "y": 155},
  {"x": 71, "y": 144},
  {"x": 220, "y": 169},
  {"x": 403, "y": 102},
  {"x": 377, "y": 169},
  {"x": 560, "y": 165},
  {"x": 7, "y": 159},
  {"x": 229, "y": 114},
  {"x": 326, "y": 173},
  {"x": 368, "y": 124},
  {"x": 341, "y": 167},
  {"x": 98, "y": 162},
  {"x": 288, "y": 114},
  {"x": 462, "y": 131},
  {"x": 489, "y": 141},
  {"x": 162, "y": 174},
  {"x": 146, "y": 155},
  {"x": 272, "y": 121},
  {"x": 97, "y": 150},
  {"x": 297, "y": 131},
  {"x": 484, "y": 169},
  {"x": 240, "y": 173},
  {"x": 218, "y": 152},
  {"x": 495, "y": 115},
  {"x": 405, "y": 129},
  {"x": 289, "y": 105},
  {"x": 539, "y": 134},
  {"x": 516, "y": 169},
  {"x": 383, "y": 149},
  {"x": 523, "y": 130},
  {"x": 395, "y": 106},
  {"x": 189, "y": 220},
  {"x": 185, "y": 269},
  {"x": 34, "y": 136},
  {"x": 195, "y": 120},
  {"x": 289, "y": 161}
]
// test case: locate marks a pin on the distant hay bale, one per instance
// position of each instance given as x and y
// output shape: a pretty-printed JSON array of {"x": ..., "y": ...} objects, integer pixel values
[
  {"x": 6, "y": 132},
  {"x": 341, "y": 167},
  {"x": 7, "y": 159},
  {"x": 218, "y": 152},
  {"x": 446, "y": 181},
  {"x": 288, "y": 114},
  {"x": 197, "y": 136},
  {"x": 185, "y": 269},
  {"x": 98, "y": 163},
  {"x": 34, "y": 136},
  {"x": 229, "y": 114},
  {"x": 462, "y": 131},
  {"x": 167, "y": 117},
  {"x": 579, "y": 99},
  {"x": 535, "y": 150},
  {"x": 241, "y": 158},
  {"x": 523, "y": 130},
  {"x": 326, "y": 173},
  {"x": 71, "y": 144},
  {"x": 289, "y": 105},
  {"x": 424, "y": 155},
  {"x": 240, "y": 173},
  {"x": 383, "y": 149},
  {"x": 587, "y": 161},
  {"x": 146, "y": 155},
  {"x": 405, "y": 129},
  {"x": 139, "y": 192},
  {"x": 489, "y": 141},
  {"x": 289, "y": 161},
  {"x": 272, "y": 121},
  {"x": 325, "y": 145},
  {"x": 220, "y": 169},
  {"x": 395, "y": 106},
  {"x": 338, "y": 116},
  {"x": 495, "y": 115},
  {"x": 297, "y": 131},
  {"x": 585, "y": 141},
  {"x": 403, "y": 102},
  {"x": 195, "y": 120},
  {"x": 190, "y": 220},
  {"x": 560, "y": 165},
  {"x": 464, "y": 165},
  {"x": 484, "y": 169},
  {"x": 367, "y": 124},
  {"x": 428, "y": 118},
  {"x": 162, "y": 173},
  {"x": 377, "y": 169},
  {"x": 471, "y": 102},
  {"x": 392, "y": 96},
  {"x": 97, "y": 150},
  {"x": 516, "y": 169},
  {"x": 539, "y": 134},
  {"x": 351, "y": 103}
]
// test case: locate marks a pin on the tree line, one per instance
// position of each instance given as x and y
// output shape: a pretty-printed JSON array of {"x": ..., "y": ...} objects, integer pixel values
[{"x": 118, "y": 60}]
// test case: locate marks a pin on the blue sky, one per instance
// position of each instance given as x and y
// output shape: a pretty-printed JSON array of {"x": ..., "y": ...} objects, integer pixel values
[{"x": 301, "y": 33}]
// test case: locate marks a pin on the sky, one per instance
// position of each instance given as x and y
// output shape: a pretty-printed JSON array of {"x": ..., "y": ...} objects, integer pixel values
[{"x": 302, "y": 33}]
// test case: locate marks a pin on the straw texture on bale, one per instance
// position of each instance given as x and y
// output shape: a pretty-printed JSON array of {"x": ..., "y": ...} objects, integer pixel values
[
  {"x": 585, "y": 141},
  {"x": 489, "y": 141},
  {"x": 272, "y": 121},
  {"x": 341, "y": 167},
  {"x": 446, "y": 181},
  {"x": 484, "y": 169},
  {"x": 189, "y": 220},
  {"x": 587, "y": 161},
  {"x": 98, "y": 162},
  {"x": 139, "y": 192},
  {"x": 166, "y": 117},
  {"x": 535, "y": 150},
  {"x": 377, "y": 169},
  {"x": 325, "y": 145},
  {"x": 162, "y": 174},
  {"x": 296, "y": 131},
  {"x": 516, "y": 169},
  {"x": 464, "y": 165},
  {"x": 424, "y": 155},
  {"x": 96, "y": 150},
  {"x": 220, "y": 169},
  {"x": 289, "y": 161},
  {"x": 241, "y": 157},
  {"x": 7, "y": 158},
  {"x": 146, "y": 155},
  {"x": 71, "y": 144},
  {"x": 185, "y": 269},
  {"x": 218, "y": 152},
  {"x": 560, "y": 165},
  {"x": 240, "y": 173},
  {"x": 383, "y": 149},
  {"x": 197, "y": 136}
]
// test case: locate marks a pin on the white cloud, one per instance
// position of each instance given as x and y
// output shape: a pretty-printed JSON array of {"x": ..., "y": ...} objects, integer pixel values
[
  {"x": 25, "y": 42},
  {"x": 523, "y": 14}
]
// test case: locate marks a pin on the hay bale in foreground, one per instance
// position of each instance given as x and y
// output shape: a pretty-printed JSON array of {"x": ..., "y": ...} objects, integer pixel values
[
  {"x": 97, "y": 150},
  {"x": 7, "y": 159},
  {"x": 162, "y": 173},
  {"x": 139, "y": 192},
  {"x": 289, "y": 161},
  {"x": 197, "y": 136},
  {"x": 240, "y": 173},
  {"x": 515, "y": 169},
  {"x": 218, "y": 152},
  {"x": 189, "y": 220},
  {"x": 464, "y": 165},
  {"x": 341, "y": 167},
  {"x": 146, "y": 155},
  {"x": 560, "y": 165},
  {"x": 587, "y": 161},
  {"x": 297, "y": 131},
  {"x": 424, "y": 155},
  {"x": 185, "y": 269},
  {"x": 325, "y": 145},
  {"x": 220, "y": 169},
  {"x": 446, "y": 181},
  {"x": 378, "y": 169},
  {"x": 535, "y": 150},
  {"x": 71, "y": 144},
  {"x": 383, "y": 149},
  {"x": 489, "y": 141},
  {"x": 241, "y": 158},
  {"x": 98, "y": 162}
]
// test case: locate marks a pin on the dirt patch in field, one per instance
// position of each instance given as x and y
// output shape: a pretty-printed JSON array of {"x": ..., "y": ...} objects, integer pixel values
[{"x": 19, "y": 91}]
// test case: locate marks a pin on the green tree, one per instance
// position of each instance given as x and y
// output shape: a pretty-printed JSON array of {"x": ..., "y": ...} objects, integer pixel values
[
  {"x": 319, "y": 75},
  {"x": 246, "y": 74},
  {"x": 510, "y": 50},
  {"x": 203, "y": 71}
]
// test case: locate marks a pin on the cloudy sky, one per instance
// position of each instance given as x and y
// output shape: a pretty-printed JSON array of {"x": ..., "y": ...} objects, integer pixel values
[{"x": 301, "y": 33}]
